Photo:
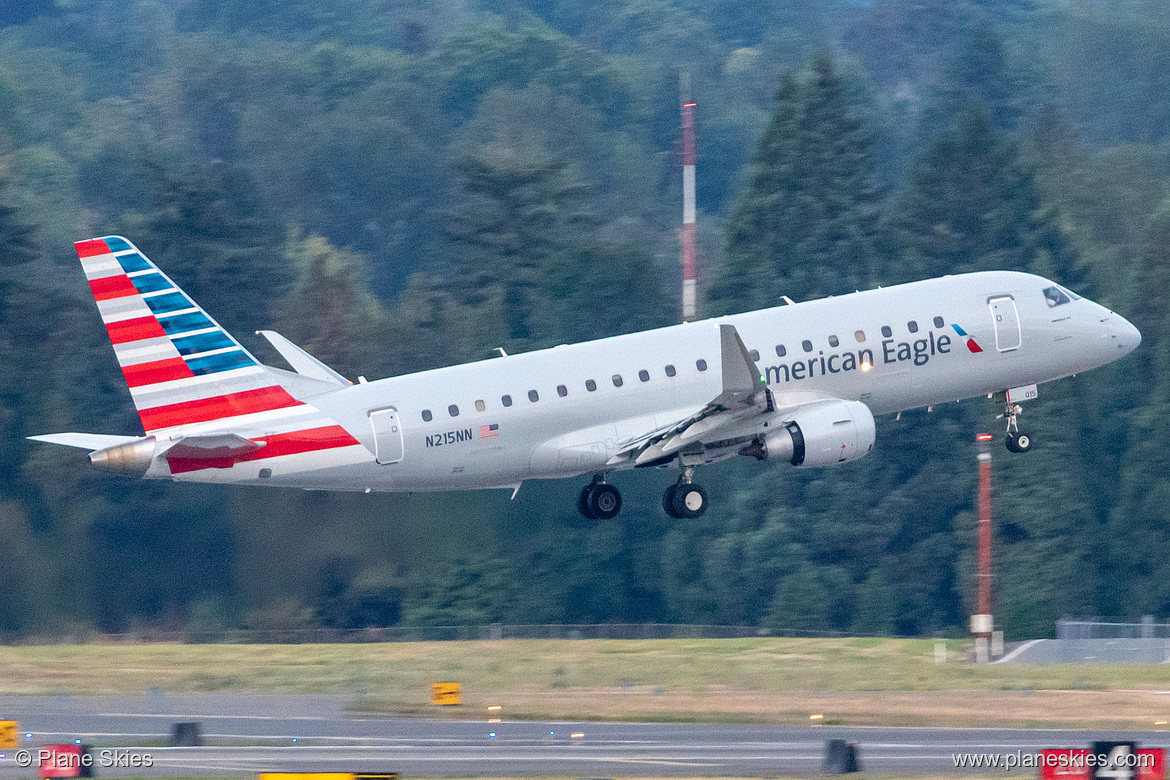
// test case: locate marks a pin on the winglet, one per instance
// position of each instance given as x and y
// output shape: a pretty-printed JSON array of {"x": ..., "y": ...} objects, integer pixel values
[
  {"x": 741, "y": 377},
  {"x": 301, "y": 361}
]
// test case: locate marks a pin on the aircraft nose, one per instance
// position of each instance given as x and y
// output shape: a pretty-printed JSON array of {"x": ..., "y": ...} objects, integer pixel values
[{"x": 1121, "y": 332}]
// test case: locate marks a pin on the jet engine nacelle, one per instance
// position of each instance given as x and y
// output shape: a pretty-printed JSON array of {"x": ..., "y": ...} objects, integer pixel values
[{"x": 822, "y": 435}]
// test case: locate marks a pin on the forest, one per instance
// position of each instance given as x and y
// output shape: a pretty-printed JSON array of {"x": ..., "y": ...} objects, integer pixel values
[{"x": 399, "y": 185}]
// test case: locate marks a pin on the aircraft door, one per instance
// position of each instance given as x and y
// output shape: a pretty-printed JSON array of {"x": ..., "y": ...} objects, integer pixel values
[
  {"x": 1007, "y": 323},
  {"x": 388, "y": 445}
]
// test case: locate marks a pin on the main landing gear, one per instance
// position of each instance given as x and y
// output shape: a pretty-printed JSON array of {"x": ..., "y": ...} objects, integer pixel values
[
  {"x": 1016, "y": 440},
  {"x": 684, "y": 498},
  {"x": 600, "y": 500}
]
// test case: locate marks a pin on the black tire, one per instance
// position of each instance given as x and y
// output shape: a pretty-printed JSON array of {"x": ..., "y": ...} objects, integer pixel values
[
  {"x": 668, "y": 501},
  {"x": 1009, "y": 441},
  {"x": 583, "y": 502},
  {"x": 1023, "y": 441},
  {"x": 689, "y": 500},
  {"x": 604, "y": 501}
]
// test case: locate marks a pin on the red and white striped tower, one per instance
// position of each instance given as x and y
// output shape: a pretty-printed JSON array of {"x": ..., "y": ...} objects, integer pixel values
[{"x": 687, "y": 237}]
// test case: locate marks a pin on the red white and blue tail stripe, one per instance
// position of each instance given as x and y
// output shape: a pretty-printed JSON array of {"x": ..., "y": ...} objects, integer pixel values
[{"x": 181, "y": 366}]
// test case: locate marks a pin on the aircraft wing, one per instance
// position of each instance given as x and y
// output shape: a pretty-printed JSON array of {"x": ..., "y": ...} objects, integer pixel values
[{"x": 733, "y": 414}]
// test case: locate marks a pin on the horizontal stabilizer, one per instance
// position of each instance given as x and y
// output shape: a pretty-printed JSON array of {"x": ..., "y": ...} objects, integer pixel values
[
  {"x": 301, "y": 361},
  {"x": 85, "y": 441},
  {"x": 220, "y": 445}
]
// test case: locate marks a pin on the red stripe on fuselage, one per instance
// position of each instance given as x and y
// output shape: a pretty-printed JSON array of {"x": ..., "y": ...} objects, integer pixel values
[
  {"x": 94, "y": 246},
  {"x": 125, "y": 331},
  {"x": 108, "y": 287},
  {"x": 156, "y": 371},
  {"x": 276, "y": 445},
  {"x": 216, "y": 408}
]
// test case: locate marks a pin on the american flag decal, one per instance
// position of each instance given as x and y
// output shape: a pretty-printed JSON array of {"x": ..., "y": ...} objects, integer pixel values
[{"x": 487, "y": 431}]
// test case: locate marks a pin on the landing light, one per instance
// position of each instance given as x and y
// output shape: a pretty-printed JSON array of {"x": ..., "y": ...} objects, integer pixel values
[{"x": 866, "y": 366}]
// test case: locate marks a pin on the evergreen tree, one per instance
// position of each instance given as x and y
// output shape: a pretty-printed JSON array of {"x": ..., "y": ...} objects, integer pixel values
[
  {"x": 210, "y": 232},
  {"x": 516, "y": 215},
  {"x": 977, "y": 73},
  {"x": 805, "y": 226},
  {"x": 331, "y": 313},
  {"x": 1138, "y": 524},
  {"x": 972, "y": 205},
  {"x": 801, "y": 603}
]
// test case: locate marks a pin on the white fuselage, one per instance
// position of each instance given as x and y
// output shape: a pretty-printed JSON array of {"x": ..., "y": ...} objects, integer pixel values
[{"x": 445, "y": 416}]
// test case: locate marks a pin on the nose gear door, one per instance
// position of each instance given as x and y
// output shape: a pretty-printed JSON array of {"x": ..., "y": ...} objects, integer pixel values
[
  {"x": 1007, "y": 323},
  {"x": 388, "y": 447}
]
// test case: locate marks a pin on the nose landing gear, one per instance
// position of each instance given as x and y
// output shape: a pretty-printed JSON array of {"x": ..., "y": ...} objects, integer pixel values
[
  {"x": 1016, "y": 440},
  {"x": 599, "y": 500},
  {"x": 685, "y": 499}
]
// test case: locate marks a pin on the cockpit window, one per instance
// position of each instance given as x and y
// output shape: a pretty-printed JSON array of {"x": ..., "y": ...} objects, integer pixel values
[{"x": 1056, "y": 296}]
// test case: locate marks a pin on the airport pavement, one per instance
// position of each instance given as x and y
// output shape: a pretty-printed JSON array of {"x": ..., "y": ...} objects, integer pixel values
[
  {"x": 254, "y": 733},
  {"x": 1090, "y": 651}
]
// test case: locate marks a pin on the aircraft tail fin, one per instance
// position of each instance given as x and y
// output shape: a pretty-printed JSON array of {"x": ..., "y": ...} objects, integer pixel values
[{"x": 181, "y": 366}]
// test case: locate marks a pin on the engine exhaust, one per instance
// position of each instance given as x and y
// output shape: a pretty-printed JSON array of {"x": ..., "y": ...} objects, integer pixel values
[{"x": 133, "y": 457}]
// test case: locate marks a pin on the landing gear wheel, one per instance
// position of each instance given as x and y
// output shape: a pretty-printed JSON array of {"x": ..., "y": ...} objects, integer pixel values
[
  {"x": 668, "y": 501},
  {"x": 1018, "y": 441},
  {"x": 688, "y": 500},
  {"x": 583, "y": 502},
  {"x": 604, "y": 501}
]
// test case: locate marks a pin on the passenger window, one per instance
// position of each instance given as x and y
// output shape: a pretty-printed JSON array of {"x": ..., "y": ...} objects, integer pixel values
[
  {"x": 780, "y": 350},
  {"x": 912, "y": 326},
  {"x": 506, "y": 400},
  {"x": 533, "y": 396},
  {"x": 807, "y": 345},
  {"x": 755, "y": 354},
  {"x": 834, "y": 341},
  {"x": 886, "y": 332},
  {"x": 453, "y": 410},
  {"x": 426, "y": 415},
  {"x": 701, "y": 364},
  {"x": 562, "y": 391},
  {"x": 938, "y": 322},
  {"x": 617, "y": 380},
  {"x": 590, "y": 385},
  {"x": 644, "y": 375},
  {"x": 860, "y": 336},
  {"x": 670, "y": 370},
  {"x": 480, "y": 406}
]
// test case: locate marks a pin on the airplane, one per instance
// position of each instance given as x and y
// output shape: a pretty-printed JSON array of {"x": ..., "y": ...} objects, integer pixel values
[{"x": 799, "y": 383}]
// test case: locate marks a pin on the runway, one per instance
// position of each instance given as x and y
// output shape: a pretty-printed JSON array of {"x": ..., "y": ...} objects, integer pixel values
[{"x": 248, "y": 734}]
